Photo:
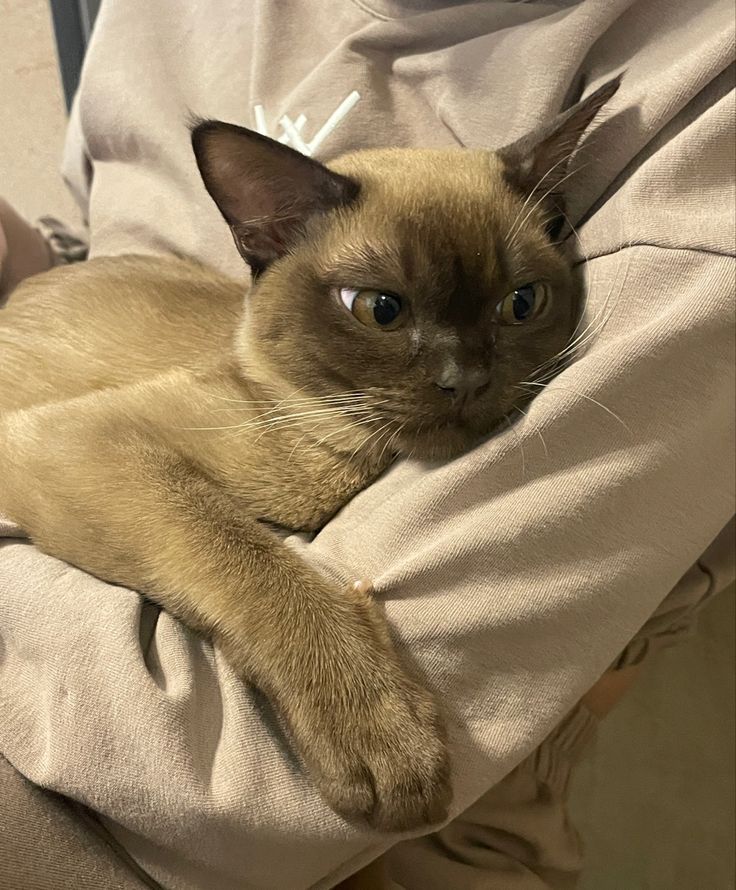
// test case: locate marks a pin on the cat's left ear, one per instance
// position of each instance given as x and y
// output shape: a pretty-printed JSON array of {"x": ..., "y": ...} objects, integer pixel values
[
  {"x": 538, "y": 163},
  {"x": 265, "y": 190}
]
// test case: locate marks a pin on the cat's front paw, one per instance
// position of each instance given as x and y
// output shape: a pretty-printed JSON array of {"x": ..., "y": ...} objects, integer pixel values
[{"x": 386, "y": 763}]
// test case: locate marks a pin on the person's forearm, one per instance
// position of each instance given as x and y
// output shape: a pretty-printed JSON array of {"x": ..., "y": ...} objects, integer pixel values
[
  {"x": 23, "y": 250},
  {"x": 27, "y": 249}
]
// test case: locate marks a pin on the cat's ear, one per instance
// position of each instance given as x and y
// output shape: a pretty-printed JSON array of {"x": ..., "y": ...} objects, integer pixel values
[
  {"x": 539, "y": 162},
  {"x": 265, "y": 190}
]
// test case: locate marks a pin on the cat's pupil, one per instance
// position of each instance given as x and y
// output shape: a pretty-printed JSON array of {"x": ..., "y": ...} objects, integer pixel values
[
  {"x": 524, "y": 299},
  {"x": 386, "y": 308}
]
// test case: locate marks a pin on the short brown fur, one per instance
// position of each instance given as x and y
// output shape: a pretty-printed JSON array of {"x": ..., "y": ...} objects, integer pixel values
[{"x": 153, "y": 431}]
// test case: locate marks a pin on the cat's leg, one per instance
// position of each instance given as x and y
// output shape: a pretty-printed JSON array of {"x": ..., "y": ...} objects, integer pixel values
[{"x": 130, "y": 509}]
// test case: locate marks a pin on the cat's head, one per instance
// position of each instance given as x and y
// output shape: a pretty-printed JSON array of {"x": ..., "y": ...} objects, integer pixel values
[{"x": 424, "y": 285}]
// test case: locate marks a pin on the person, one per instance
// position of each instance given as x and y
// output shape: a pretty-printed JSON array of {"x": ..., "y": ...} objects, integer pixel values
[{"x": 566, "y": 549}]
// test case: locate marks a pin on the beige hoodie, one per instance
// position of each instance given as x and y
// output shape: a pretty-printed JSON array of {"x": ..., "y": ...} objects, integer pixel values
[{"x": 515, "y": 575}]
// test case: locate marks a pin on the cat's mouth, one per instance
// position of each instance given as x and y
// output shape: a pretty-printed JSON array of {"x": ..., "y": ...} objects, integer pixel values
[
  {"x": 437, "y": 431},
  {"x": 444, "y": 437}
]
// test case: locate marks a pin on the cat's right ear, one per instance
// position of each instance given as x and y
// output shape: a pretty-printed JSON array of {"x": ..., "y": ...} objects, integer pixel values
[
  {"x": 265, "y": 190},
  {"x": 539, "y": 163}
]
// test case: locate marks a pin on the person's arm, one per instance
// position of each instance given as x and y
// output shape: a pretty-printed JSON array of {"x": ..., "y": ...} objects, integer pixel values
[
  {"x": 27, "y": 249},
  {"x": 512, "y": 580},
  {"x": 23, "y": 250}
]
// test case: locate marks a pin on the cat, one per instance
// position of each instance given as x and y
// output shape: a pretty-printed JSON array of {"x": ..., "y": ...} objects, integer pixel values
[{"x": 160, "y": 423}]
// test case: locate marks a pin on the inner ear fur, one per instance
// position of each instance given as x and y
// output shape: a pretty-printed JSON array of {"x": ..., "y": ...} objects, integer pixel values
[
  {"x": 265, "y": 190},
  {"x": 540, "y": 161}
]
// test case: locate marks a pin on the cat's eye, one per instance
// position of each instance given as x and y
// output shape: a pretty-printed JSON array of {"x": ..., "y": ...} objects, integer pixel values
[
  {"x": 523, "y": 304},
  {"x": 374, "y": 308}
]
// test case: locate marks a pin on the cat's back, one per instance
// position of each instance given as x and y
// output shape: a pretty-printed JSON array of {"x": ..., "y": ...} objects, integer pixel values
[{"x": 111, "y": 321}]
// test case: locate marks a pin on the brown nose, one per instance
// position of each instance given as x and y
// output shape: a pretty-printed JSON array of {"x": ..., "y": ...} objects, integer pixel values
[{"x": 461, "y": 384}]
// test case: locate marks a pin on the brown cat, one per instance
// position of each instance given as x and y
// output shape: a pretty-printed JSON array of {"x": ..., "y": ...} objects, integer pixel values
[{"x": 157, "y": 428}]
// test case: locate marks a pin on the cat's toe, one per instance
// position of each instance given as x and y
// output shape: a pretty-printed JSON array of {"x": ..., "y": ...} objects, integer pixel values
[
  {"x": 398, "y": 794},
  {"x": 349, "y": 792},
  {"x": 393, "y": 772},
  {"x": 412, "y": 788}
]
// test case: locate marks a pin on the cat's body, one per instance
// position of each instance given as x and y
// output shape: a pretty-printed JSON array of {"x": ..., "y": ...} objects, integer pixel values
[
  {"x": 156, "y": 423},
  {"x": 151, "y": 339},
  {"x": 112, "y": 302},
  {"x": 134, "y": 460}
]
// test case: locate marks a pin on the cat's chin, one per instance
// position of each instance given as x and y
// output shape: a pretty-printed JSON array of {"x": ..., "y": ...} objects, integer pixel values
[
  {"x": 448, "y": 440},
  {"x": 440, "y": 444}
]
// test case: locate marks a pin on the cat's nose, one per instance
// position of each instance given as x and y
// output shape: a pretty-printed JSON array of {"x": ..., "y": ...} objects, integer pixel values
[{"x": 458, "y": 383}]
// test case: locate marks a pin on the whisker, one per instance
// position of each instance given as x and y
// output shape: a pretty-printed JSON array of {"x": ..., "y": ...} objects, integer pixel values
[
  {"x": 268, "y": 417},
  {"x": 605, "y": 314},
  {"x": 594, "y": 327},
  {"x": 387, "y": 436},
  {"x": 520, "y": 444},
  {"x": 343, "y": 397},
  {"x": 535, "y": 429},
  {"x": 588, "y": 288},
  {"x": 512, "y": 228},
  {"x": 390, "y": 440},
  {"x": 347, "y": 397},
  {"x": 342, "y": 429},
  {"x": 411, "y": 454},
  {"x": 367, "y": 440},
  {"x": 347, "y": 427},
  {"x": 536, "y": 204},
  {"x": 262, "y": 420},
  {"x": 556, "y": 388},
  {"x": 294, "y": 421},
  {"x": 269, "y": 401}
]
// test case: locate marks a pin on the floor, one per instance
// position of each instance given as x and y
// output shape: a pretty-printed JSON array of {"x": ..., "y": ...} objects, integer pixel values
[
  {"x": 655, "y": 801},
  {"x": 32, "y": 114}
]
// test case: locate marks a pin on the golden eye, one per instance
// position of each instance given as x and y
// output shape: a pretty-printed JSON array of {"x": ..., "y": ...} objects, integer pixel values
[
  {"x": 523, "y": 304},
  {"x": 374, "y": 308}
]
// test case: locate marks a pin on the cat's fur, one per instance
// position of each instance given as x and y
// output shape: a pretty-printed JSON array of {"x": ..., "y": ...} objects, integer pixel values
[{"x": 153, "y": 432}]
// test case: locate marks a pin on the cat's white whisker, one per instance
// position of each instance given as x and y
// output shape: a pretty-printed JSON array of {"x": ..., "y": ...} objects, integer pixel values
[
  {"x": 535, "y": 429},
  {"x": 512, "y": 229},
  {"x": 295, "y": 403},
  {"x": 295, "y": 415},
  {"x": 283, "y": 411},
  {"x": 264, "y": 420},
  {"x": 598, "y": 323},
  {"x": 300, "y": 420},
  {"x": 594, "y": 327},
  {"x": 516, "y": 226},
  {"x": 411, "y": 454},
  {"x": 520, "y": 444},
  {"x": 291, "y": 399},
  {"x": 386, "y": 437},
  {"x": 391, "y": 439},
  {"x": 227, "y": 399},
  {"x": 552, "y": 388},
  {"x": 347, "y": 428},
  {"x": 368, "y": 439},
  {"x": 548, "y": 192},
  {"x": 339, "y": 431},
  {"x": 586, "y": 264},
  {"x": 319, "y": 408}
]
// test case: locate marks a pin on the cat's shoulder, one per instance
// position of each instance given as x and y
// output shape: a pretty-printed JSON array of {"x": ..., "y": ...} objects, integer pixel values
[{"x": 145, "y": 268}]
